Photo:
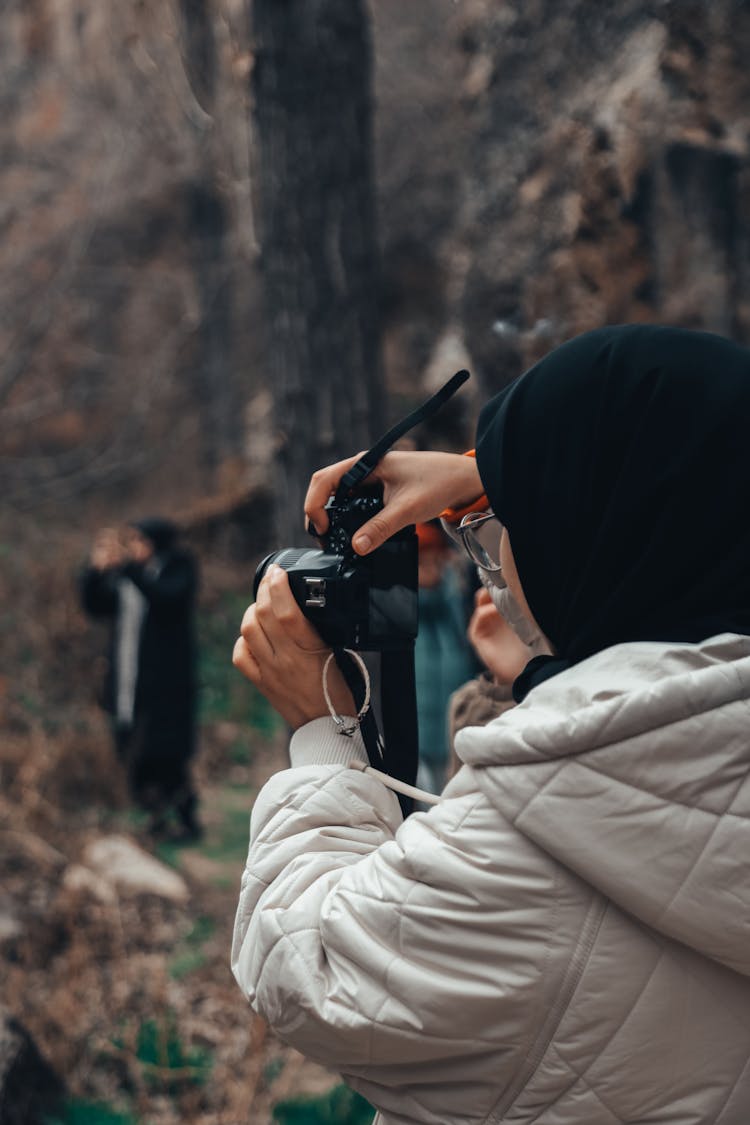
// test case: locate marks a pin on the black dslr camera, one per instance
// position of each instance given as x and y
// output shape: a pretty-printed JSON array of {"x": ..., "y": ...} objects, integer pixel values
[
  {"x": 364, "y": 603},
  {"x": 368, "y": 604}
]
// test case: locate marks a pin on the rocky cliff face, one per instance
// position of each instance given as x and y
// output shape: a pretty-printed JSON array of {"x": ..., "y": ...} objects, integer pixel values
[
  {"x": 608, "y": 175},
  {"x": 126, "y": 263},
  {"x": 543, "y": 167}
]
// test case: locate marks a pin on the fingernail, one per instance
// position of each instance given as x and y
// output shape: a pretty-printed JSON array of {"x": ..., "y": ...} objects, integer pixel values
[
  {"x": 362, "y": 544},
  {"x": 311, "y": 528}
]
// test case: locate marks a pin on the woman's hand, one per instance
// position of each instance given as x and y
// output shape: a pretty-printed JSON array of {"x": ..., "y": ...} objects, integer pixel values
[
  {"x": 496, "y": 644},
  {"x": 416, "y": 488},
  {"x": 281, "y": 653}
]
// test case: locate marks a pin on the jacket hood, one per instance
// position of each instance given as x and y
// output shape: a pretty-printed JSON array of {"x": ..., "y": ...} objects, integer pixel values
[{"x": 632, "y": 769}]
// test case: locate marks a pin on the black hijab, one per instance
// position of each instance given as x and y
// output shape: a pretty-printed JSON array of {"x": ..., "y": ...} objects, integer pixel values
[
  {"x": 162, "y": 533},
  {"x": 620, "y": 465}
]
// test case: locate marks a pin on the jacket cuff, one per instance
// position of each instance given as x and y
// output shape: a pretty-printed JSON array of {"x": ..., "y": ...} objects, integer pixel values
[{"x": 319, "y": 743}]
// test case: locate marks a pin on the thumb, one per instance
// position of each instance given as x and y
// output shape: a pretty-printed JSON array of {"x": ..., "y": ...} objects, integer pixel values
[
  {"x": 375, "y": 532},
  {"x": 287, "y": 614}
]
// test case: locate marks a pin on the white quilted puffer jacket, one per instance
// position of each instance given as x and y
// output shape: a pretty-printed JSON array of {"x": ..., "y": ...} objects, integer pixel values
[{"x": 564, "y": 940}]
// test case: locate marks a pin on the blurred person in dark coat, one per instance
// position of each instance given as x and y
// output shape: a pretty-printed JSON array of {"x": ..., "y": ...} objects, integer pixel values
[{"x": 145, "y": 584}]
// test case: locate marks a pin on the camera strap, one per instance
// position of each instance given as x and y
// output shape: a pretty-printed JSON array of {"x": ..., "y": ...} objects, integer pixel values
[
  {"x": 399, "y": 711},
  {"x": 396, "y": 751},
  {"x": 369, "y": 460},
  {"x": 368, "y": 723}
]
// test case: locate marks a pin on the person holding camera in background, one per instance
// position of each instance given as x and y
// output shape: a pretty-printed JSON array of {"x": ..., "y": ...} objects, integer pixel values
[
  {"x": 565, "y": 938},
  {"x": 140, "y": 580}
]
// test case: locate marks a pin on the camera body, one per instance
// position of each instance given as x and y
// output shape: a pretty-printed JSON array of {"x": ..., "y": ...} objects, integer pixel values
[{"x": 368, "y": 603}]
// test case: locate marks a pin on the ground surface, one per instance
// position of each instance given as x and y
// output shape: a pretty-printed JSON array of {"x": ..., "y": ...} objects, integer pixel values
[{"x": 127, "y": 992}]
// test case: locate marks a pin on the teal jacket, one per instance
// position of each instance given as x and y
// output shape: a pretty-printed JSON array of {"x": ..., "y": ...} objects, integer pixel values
[{"x": 443, "y": 663}]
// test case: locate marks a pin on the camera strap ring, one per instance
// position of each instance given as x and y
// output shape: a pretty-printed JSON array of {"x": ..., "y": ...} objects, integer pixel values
[{"x": 346, "y": 726}]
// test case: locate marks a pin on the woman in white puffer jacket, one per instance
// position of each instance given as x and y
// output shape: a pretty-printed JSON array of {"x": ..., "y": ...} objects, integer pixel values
[{"x": 565, "y": 938}]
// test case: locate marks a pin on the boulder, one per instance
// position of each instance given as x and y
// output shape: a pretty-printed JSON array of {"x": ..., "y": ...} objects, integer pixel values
[
  {"x": 82, "y": 880},
  {"x": 121, "y": 863},
  {"x": 11, "y": 925}
]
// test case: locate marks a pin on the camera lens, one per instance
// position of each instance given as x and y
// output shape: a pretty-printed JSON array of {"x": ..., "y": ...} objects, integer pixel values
[{"x": 261, "y": 570}]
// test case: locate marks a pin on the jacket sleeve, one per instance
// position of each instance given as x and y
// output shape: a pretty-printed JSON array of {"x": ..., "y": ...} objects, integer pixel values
[
  {"x": 389, "y": 950},
  {"x": 98, "y": 591},
  {"x": 167, "y": 583}
]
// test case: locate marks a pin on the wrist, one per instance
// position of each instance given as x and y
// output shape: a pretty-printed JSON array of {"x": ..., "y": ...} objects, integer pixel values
[
  {"x": 319, "y": 742},
  {"x": 469, "y": 495}
]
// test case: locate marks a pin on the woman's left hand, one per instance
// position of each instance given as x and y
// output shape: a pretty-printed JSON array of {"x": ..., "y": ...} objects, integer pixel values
[{"x": 281, "y": 653}]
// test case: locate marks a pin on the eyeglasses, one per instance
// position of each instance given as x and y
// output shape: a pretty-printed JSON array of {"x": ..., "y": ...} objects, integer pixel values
[{"x": 480, "y": 534}]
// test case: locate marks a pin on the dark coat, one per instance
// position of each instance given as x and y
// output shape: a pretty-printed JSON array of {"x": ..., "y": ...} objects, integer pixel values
[{"x": 165, "y": 696}]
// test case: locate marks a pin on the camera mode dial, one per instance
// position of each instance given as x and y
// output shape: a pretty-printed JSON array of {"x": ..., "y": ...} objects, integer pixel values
[
  {"x": 339, "y": 540},
  {"x": 347, "y": 518}
]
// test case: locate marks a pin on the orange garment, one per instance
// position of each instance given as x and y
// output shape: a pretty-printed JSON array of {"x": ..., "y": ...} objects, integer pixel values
[{"x": 455, "y": 515}]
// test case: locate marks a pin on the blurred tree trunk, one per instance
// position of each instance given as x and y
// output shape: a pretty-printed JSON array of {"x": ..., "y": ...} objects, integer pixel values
[
  {"x": 207, "y": 223},
  {"x": 37, "y": 29},
  {"x": 313, "y": 112}
]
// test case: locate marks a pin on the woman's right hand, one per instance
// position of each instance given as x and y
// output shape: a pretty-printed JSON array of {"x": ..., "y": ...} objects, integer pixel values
[{"x": 416, "y": 488}]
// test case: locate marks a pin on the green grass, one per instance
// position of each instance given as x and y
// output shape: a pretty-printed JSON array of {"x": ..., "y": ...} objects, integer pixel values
[
  {"x": 202, "y": 929},
  {"x": 272, "y": 1070},
  {"x": 90, "y": 1113},
  {"x": 340, "y": 1106},
  {"x": 191, "y": 955},
  {"x": 225, "y": 842},
  {"x": 228, "y": 842},
  {"x": 167, "y": 1063},
  {"x": 159, "y": 1045},
  {"x": 187, "y": 962},
  {"x": 240, "y": 752},
  {"x": 170, "y": 851}
]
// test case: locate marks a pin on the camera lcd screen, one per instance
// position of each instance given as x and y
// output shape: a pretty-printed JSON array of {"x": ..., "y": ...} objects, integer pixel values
[{"x": 393, "y": 612}]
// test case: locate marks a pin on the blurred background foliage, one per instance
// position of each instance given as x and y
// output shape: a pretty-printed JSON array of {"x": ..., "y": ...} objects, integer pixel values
[{"x": 185, "y": 326}]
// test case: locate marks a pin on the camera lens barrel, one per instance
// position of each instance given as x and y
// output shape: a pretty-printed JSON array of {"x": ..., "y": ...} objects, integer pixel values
[{"x": 367, "y": 604}]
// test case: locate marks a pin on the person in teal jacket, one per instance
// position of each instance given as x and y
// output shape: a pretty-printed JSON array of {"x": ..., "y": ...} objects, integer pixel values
[{"x": 443, "y": 660}]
